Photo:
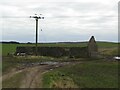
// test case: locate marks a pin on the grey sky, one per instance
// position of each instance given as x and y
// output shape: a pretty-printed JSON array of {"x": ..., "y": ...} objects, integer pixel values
[{"x": 72, "y": 20}]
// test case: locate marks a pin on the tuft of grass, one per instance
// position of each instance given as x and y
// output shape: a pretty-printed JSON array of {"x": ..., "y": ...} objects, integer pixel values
[
  {"x": 57, "y": 80},
  {"x": 65, "y": 82}
]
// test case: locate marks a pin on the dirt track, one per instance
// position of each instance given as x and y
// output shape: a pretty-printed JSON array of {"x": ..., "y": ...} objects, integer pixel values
[{"x": 33, "y": 75}]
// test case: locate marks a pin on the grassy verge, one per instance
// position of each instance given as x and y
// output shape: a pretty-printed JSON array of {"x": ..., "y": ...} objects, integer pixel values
[
  {"x": 93, "y": 74},
  {"x": 8, "y": 63},
  {"x": 57, "y": 80}
]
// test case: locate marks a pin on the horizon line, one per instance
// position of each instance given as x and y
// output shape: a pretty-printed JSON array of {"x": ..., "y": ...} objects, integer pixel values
[{"x": 58, "y": 41}]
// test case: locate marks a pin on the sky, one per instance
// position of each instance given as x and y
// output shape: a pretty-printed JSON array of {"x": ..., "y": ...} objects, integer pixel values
[{"x": 65, "y": 20}]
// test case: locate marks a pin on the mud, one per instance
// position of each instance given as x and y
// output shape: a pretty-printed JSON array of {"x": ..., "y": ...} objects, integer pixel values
[{"x": 34, "y": 71}]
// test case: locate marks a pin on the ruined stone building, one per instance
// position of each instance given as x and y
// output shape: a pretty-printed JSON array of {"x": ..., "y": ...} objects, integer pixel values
[
  {"x": 92, "y": 47},
  {"x": 78, "y": 52}
]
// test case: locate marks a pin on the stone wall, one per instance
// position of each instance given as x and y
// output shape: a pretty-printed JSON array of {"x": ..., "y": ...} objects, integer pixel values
[
  {"x": 90, "y": 51},
  {"x": 78, "y": 52},
  {"x": 55, "y": 51}
]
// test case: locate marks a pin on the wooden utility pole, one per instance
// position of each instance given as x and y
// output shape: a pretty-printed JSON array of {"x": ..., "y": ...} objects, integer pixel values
[{"x": 36, "y": 18}]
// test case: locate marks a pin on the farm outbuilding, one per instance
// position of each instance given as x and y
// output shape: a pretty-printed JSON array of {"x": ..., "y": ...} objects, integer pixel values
[{"x": 91, "y": 50}]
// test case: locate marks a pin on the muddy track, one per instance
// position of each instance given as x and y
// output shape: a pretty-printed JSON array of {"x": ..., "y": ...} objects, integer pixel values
[
  {"x": 33, "y": 75},
  {"x": 33, "y": 79},
  {"x": 11, "y": 73}
]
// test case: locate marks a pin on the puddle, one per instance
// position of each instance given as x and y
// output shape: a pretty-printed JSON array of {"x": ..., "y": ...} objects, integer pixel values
[
  {"x": 117, "y": 58},
  {"x": 44, "y": 63},
  {"x": 49, "y": 63}
]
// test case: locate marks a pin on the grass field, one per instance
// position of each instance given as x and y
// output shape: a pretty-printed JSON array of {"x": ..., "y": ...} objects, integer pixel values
[
  {"x": 11, "y": 48},
  {"x": 89, "y": 74}
]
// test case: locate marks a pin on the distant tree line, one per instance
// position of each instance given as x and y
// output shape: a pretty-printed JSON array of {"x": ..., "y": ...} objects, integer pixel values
[
  {"x": 14, "y": 42},
  {"x": 11, "y": 42}
]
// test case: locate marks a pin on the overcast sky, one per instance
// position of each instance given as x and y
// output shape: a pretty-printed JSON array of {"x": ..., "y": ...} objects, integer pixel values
[{"x": 70, "y": 20}]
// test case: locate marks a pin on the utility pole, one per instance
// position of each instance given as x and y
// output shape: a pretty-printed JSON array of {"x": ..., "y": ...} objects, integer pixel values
[{"x": 36, "y": 18}]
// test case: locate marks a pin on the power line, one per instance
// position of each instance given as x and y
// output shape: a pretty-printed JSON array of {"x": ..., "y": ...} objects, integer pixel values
[{"x": 14, "y": 17}]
